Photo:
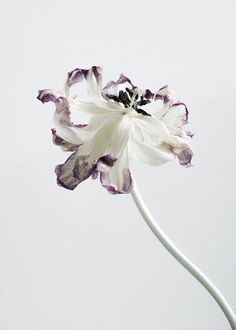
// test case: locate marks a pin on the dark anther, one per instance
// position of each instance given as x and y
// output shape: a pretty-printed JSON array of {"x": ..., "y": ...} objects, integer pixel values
[
  {"x": 113, "y": 97},
  {"x": 123, "y": 97},
  {"x": 129, "y": 91},
  {"x": 142, "y": 112}
]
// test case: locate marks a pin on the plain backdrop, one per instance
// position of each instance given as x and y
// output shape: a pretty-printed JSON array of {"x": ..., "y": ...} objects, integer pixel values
[{"x": 85, "y": 260}]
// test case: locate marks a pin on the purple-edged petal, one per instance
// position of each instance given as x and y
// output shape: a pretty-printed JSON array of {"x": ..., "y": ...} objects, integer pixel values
[
  {"x": 64, "y": 127},
  {"x": 65, "y": 146},
  {"x": 103, "y": 165},
  {"x": 184, "y": 155},
  {"x": 47, "y": 95},
  {"x": 176, "y": 116},
  {"x": 165, "y": 94},
  {"x": 118, "y": 180},
  {"x": 148, "y": 94},
  {"x": 93, "y": 76},
  {"x": 75, "y": 76},
  {"x": 75, "y": 170},
  {"x": 113, "y": 87}
]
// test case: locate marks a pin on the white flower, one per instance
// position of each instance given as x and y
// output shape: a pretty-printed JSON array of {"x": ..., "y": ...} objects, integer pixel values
[{"x": 119, "y": 130}]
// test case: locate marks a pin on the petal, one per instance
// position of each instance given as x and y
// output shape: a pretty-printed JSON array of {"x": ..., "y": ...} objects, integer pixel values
[
  {"x": 165, "y": 94},
  {"x": 73, "y": 171},
  {"x": 75, "y": 76},
  {"x": 148, "y": 154},
  {"x": 176, "y": 116},
  {"x": 184, "y": 154},
  {"x": 118, "y": 180},
  {"x": 103, "y": 165},
  {"x": 93, "y": 77},
  {"x": 113, "y": 87},
  {"x": 154, "y": 128},
  {"x": 64, "y": 127},
  {"x": 65, "y": 146}
]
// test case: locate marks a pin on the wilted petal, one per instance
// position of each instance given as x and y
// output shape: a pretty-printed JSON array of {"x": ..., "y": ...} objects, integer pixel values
[
  {"x": 176, "y": 116},
  {"x": 165, "y": 94},
  {"x": 103, "y": 165},
  {"x": 75, "y": 170},
  {"x": 65, "y": 146},
  {"x": 184, "y": 154},
  {"x": 64, "y": 127},
  {"x": 47, "y": 95},
  {"x": 75, "y": 76},
  {"x": 113, "y": 87},
  {"x": 118, "y": 180}
]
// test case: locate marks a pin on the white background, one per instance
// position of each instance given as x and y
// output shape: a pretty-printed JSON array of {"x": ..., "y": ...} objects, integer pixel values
[{"x": 85, "y": 260}]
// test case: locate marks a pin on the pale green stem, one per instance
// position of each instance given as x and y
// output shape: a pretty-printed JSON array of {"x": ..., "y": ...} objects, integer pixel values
[{"x": 181, "y": 258}]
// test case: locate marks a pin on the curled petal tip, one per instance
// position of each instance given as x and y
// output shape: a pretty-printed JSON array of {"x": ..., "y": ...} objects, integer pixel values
[{"x": 46, "y": 95}]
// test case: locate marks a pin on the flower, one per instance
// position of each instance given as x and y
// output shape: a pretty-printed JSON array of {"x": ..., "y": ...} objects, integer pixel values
[{"x": 118, "y": 130}]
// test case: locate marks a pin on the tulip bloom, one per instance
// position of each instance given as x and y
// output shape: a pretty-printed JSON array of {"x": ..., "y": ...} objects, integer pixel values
[{"x": 119, "y": 130}]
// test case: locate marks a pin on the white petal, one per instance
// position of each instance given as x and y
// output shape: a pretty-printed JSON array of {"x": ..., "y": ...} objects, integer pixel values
[
  {"x": 153, "y": 127},
  {"x": 118, "y": 180},
  {"x": 176, "y": 116},
  {"x": 148, "y": 154}
]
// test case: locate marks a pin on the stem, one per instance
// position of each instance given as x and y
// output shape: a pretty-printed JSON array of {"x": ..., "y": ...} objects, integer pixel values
[{"x": 181, "y": 258}]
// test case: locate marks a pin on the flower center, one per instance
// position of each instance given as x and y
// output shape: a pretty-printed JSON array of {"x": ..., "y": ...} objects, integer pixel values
[{"x": 131, "y": 99}]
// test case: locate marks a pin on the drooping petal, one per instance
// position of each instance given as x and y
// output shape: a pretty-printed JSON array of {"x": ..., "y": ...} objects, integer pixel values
[
  {"x": 141, "y": 151},
  {"x": 73, "y": 171},
  {"x": 64, "y": 127},
  {"x": 184, "y": 154},
  {"x": 103, "y": 165},
  {"x": 65, "y": 146},
  {"x": 118, "y": 180}
]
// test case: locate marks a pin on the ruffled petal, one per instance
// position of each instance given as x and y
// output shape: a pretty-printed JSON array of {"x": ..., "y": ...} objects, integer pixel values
[
  {"x": 64, "y": 127},
  {"x": 103, "y": 165},
  {"x": 118, "y": 180},
  {"x": 176, "y": 116},
  {"x": 93, "y": 77},
  {"x": 73, "y": 171},
  {"x": 113, "y": 87},
  {"x": 65, "y": 146},
  {"x": 164, "y": 94},
  {"x": 184, "y": 154}
]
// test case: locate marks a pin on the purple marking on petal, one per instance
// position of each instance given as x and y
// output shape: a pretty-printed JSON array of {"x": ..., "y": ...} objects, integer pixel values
[
  {"x": 185, "y": 119},
  {"x": 46, "y": 95},
  {"x": 97, "y": 70},
  {"x": 184, "y": 156},
  {"x": 148, "y": 94},
  {"x": 108, "y": 160},
  {"x": 163, "y": 87},
  {"x": 75, "y": 170},
  {"x": 190, "y": 134},
  {"x": 164, "y": 98},
  {"x": 65, "y": 146},
  {"x": 103, "y": 164},
  {"x": 123, "y": 79},
  {"x": 127, "y": 186},
  {"x": 81, "y": 125},
  {"x": 75, "y": 76}
]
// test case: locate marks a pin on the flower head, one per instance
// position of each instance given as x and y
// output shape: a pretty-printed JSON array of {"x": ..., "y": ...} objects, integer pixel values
[{"x": 119, "y": 130}]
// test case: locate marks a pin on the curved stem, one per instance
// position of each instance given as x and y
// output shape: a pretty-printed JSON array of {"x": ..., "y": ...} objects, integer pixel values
[{"x": 181, "y": 258}]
